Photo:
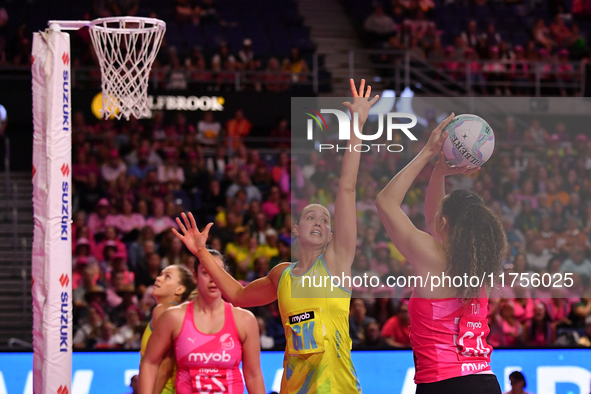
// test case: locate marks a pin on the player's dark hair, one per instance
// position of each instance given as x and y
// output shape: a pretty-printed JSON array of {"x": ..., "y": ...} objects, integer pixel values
[
  {"x": 477, "y": 239},
  {"x": 214, "y": 253},
  {"x": 186, "y": 280}
]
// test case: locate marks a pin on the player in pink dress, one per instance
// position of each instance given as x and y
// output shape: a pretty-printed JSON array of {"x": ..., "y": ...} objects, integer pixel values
[
  {"x": 211, "y": 338},
  {"x": 449, "y": 324}
]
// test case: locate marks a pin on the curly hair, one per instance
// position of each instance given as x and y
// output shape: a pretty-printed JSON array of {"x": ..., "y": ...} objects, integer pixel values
[{"x": 477, "y": 240}]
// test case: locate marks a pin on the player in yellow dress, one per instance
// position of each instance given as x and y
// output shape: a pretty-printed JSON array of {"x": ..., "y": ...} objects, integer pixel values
[
  {"x": 172, "y": 287},
  {"x": 316, "y": 320}
]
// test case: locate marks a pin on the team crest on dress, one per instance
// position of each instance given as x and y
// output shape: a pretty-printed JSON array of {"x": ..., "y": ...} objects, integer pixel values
[{"x": 226, "y": 342}]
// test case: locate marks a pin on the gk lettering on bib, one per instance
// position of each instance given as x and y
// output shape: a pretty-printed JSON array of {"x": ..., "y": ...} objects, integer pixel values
[
  {"x": 471, "y": 339},
  {"x": 305, "y": 332},
  {"x": 208, "y": 381}
]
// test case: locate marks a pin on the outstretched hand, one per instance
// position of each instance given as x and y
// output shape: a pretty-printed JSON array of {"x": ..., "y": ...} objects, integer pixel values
[
  {"x": 193, "y": 239},
  {"x": 360, "y": 103},
  {"x": 438, "y": 137},
  {"x": 445, "y": 169}
]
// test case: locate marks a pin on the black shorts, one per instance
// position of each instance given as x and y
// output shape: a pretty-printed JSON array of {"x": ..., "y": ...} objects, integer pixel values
[{"x": 470, "y": 384}]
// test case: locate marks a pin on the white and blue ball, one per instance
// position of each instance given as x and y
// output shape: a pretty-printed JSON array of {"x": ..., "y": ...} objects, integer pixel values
[{"x": 471, "y": 141}]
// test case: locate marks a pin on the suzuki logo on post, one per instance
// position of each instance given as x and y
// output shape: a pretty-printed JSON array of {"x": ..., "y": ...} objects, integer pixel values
[
  {"x": 345, "y": 130},
  {"x": 64, "y": 280},
  {"x": 65, "y": 169},
  {"x": 66, "y": 58},
  {"x": 62, "y": 390}
]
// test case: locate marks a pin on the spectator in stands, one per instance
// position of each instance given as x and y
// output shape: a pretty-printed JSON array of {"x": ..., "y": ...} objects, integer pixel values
[
  {"x": 493, "y": 38},
  {"x": 519, "y": 73},
  {"x": 88, "y": 330},
  {"x": 246, "y": 55},
  {"x": 83, "y": 167},
  {"x": 573, "y": 237},
  {"x": 209, "y": 13},
  {"x": 396, "y": 331},
  {"x": 110, "y": 239},
  {"x": 358, "y": 321},
  {"x": 170, "y": 172},
  {"x": 139, "y": 171},
  {"x": 111, "y": 170},
  {"x": 373, "y": 338},
  {"x": 145, "y": 276},
  {"x": 128, "y": 335},
  {"x": 284, "y": 248},
  {"x": 208, "y": 130},
  {"x": 242, "y": 251},
  {"x": 539, "y": 257},
  {"x": 260, "y": 269},
  {"x": 578, "y": 264},
  {"x": 505, "y": 330},
  {"x": 378, "y": 25},
  {"x": 106, "y": 338},
  {"x": 266, "y": 341},
  {"x": 159, "y": 222},
  {"x": 97, "y": 221},
  {"x": 471, "y": 35},
  {"x": 86, "y": 282},
  {"x": 244, "y": 183},
  {"x": 296, "y": 66},
  {"x": 581, "y": 310},
  {"x": 222, "y": 56},
  {"x": 124, "y": 7},
  {"x": 177, "y": 73},
  {"x": 542, "y": 35},
  {"x": 186, "y": 12},
  {"x": 238, "y": 128},
  {"x": 559, "y": 31},
  {"x": 539, "y": 331},
  {"x": 275, "y": 79}
]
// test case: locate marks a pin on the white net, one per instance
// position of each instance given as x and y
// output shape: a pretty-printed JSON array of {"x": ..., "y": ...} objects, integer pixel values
[{"x": 126, "y": 48}]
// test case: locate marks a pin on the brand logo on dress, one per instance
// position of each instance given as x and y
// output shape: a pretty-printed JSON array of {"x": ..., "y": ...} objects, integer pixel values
[
  {"x": 34, "y": 172},
  {"x": 227, "y": 342},
  {"x": 471, "y": 324},
  {"x": 301, "y": 317},
  {"x": 474, "y": 366},
  {"x": 66, "y": 58},
  {"x": 62, "y": 390},
  {"x": 206, "y": 357}
]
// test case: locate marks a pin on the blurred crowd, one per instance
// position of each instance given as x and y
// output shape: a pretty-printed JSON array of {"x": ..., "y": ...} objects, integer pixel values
[
  {"x": 131, "y": 180},
  {"x": 499, "y": 61},
  {"x": 538, "y": 182},
  {"x": 213, "y": 65}
]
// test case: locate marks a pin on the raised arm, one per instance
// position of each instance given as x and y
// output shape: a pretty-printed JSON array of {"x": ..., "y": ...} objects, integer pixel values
[
  {"x": 345, "y": 217},
  {"x": 262, "y": 291},
  {"x": 410, "y": 241},
  {"x": 436, "y": 189}
]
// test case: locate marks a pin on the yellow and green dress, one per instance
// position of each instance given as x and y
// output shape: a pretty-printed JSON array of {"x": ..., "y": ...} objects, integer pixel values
[
  {"x": 169, "y": 387},
  {"x": 316, "y": 322}
]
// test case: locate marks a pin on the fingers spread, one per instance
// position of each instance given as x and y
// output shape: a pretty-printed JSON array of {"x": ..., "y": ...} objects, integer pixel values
[
  {"x": 373, "y": 100},
  {"x": 368, "y": 92},
  {"x": 353, "y": 88},
  {"x": 181, "y": 225},
  {"x": 193, "y": 223},
  {"x": 361, "y": 87}
]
